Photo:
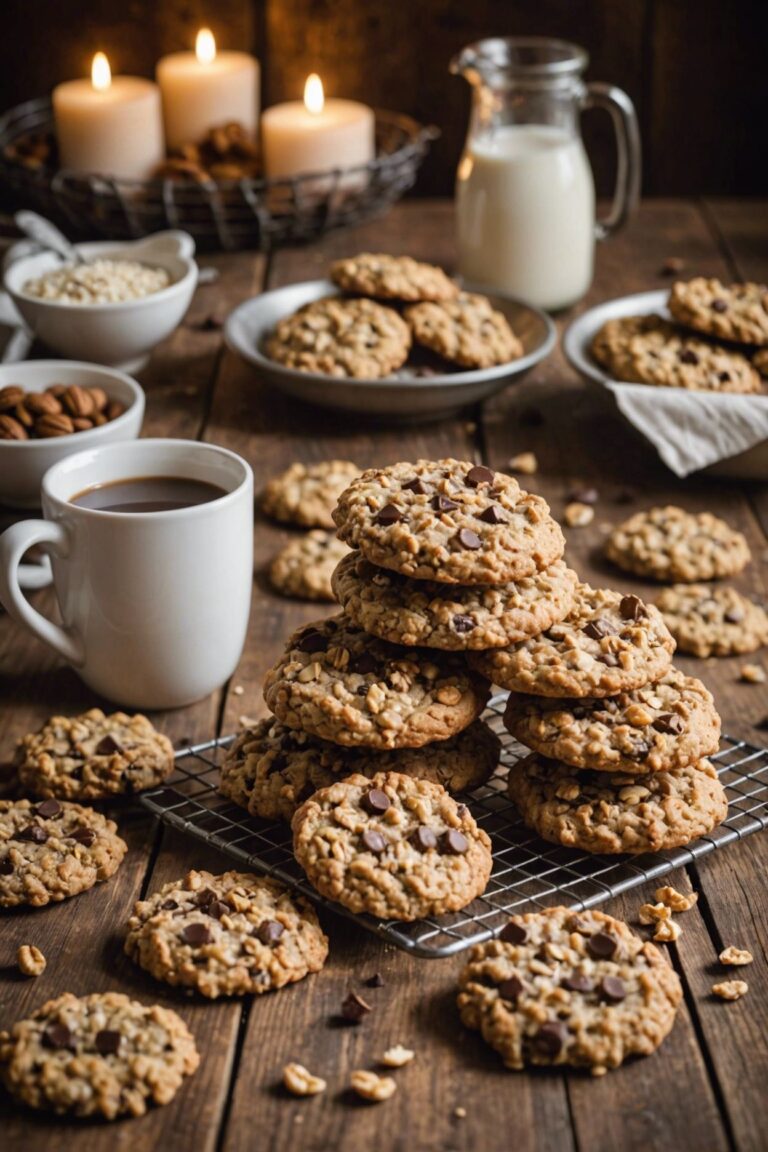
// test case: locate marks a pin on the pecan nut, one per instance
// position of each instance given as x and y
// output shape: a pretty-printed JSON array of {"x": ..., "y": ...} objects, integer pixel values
[
  {"x": 78, "y": 401},
  {"x": 10, "y": 429},
  {"x": 42, "y": 403},
  {"x": 55, "y": 424},
  {"x": 10, "y": 396}
]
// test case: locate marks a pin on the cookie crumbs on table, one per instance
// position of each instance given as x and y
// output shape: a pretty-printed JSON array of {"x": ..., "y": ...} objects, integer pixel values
[
  {"x": 578, "y": 514},
  {"x": 653, "y": 913},
  {"x": 752, "y": 674},
  {"x": 300, "y": 1082},
  {"x": 667, "y": 932},
  {"x": 372, "y": 1087},
  {"x": 525, "y": 463},
  {"x": 674, "y": 900},
  {"x": 735, "y": 956},
  {"x": 730, "y": 989},
  {"x": 30, "y": 960},
  {"x": 397, "y": 1056}
]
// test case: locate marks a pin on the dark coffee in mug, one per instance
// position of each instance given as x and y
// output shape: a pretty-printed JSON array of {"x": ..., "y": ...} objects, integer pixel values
[{"x": 148, "y": 494}]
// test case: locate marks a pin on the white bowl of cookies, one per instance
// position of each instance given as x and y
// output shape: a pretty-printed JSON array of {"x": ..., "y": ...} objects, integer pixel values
[{"x": 389, "y": 336}]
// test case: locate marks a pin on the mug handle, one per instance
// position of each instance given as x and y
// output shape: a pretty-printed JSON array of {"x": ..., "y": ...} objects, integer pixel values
[
  {"x": 14, "y": 542},
  {"x": 628, "y": 162}
]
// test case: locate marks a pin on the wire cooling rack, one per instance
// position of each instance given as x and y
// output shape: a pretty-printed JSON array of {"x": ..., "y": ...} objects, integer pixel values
[{"x": 528, "y": 873}]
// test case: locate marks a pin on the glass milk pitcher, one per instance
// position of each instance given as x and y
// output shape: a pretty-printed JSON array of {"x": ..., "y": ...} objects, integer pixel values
[{"x": 525, "y": 197}]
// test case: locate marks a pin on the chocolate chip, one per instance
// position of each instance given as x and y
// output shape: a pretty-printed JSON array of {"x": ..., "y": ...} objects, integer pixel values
[
  {"x": 463, "y": 623},
  {"x": 269, "y": 932},
  {"x": 584, "y": 496},
  {"x": 354, "y": 1008},
  {"x": 84, "y": 836},
  {"x": 672, "y": 266},
  {"x": 611, "y": 988},
  {"x": 688, "y": 356},
  {"x": 375, "y": 801},
  {"x": 58, "y": 1036},
  {"x": 454, "y": 842},
  {"x": 577, "y": 982},
  {"x": 631, "y": 608},
  {"x": 423, "y": 838},
  {"x": 6, "y": 867},
  {"x": 719, "y": 306},
  {"x": 107, "y": 1042},
  {"x": 723, "y": 376},
  {"x": 514, "y": 933},
  {"x": 390, "y": 514},
  {"x": 204, "y": 896},
  {"x": 48, "y": 809},
  {"x": 479, "y": 475},
  {"x": 669, "y": 722},
  {"x": 107, "y": 746},
  {"x": 510, "y": 989},
  {"x": 640, "y": 750},
  {"x": 417, "y": 486},
  {"x": 461, "y": 811},
  {"x": 373, "y": 841},
  {"x": 312, "y": 642},
  {"x": 375, "y": 981},
  {"x": 196, "y": 934},
  {"x": 363, "y": 664},
  {"x": 217, "y": 908},
  {"x": 469, "y": 540},
  {"x": 601, "y": 946},
  {"x": 735, "y": 616},
  {"x": 597, "y": 629},
  {"x": 168, "y": 905},
  {"x": 443, "y": 503},
  {"x": 492, "y": 515},
  {"x": 551, "y": 1038},
  {"x": 34, "y": 833}
]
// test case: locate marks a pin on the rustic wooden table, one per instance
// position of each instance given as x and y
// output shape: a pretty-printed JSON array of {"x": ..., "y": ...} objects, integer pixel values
[{"x": 705, "y": 1089}]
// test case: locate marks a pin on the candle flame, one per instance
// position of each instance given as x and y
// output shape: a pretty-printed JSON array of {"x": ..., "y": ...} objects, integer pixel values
[
  {"x": 314, "y": 97},
  {"x": 101, "y": 73},
  {"x": 205, "y": 46}
]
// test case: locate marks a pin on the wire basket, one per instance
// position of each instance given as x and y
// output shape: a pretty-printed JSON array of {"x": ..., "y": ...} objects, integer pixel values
[
  {"x": 220, "y": 214},
  {"x": 528, "y": 873}
]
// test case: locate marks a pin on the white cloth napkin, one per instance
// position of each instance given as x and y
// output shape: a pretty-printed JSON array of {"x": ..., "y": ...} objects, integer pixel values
[
  {"x": 690, "y": 430},
  {"x": 15, "y": 339}
]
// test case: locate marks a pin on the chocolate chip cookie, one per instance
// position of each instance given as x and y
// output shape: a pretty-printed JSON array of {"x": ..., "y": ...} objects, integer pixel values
[
  {"x": 560, "y": 987},
  {"x": 394, "y": 847},
  {"x": 737, "y": 312},
  {"x": 605, "y": 813},
  {"x": 337, "y": 683},
  {"x": 449, "y": 521},
  {"x": 271, "y": 769},
  {"x": 93, "y": 756},
  {"x": 303, "y": 569},
  {"x": 392, "y": 278},
  {"x": 306, "y": 494},
  {"x": 671, "y": 544},
  {"x": 711, "y": 620},
  {"x": 54, "y": 849},
  {"x": 608, "y": 644},
  {"x": 336, "y": 337},
  {"x": 665, "y": 725},
  {"x": 466, "y": 330},
  {"x": 227, "y": 935},
  {"x": 101, "y": 1055},
  {"x": 451, "y": 616}
]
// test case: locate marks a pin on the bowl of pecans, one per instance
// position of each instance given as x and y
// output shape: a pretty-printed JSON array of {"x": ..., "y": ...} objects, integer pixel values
[{"x": 52, "y": 408}]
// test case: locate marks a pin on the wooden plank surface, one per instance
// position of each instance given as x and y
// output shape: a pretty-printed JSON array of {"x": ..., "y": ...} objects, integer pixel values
[{"x": 705, "y": 1088}]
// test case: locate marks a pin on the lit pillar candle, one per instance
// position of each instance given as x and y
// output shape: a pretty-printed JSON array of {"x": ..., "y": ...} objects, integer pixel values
[
  {"x": 316, "y": 135},
  {"x": 206, "y": 88},
  {"x": 109, "y": 125}
]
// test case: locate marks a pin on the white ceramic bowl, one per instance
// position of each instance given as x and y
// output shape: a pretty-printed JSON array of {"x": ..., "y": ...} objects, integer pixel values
[
  {"x": 121, "y": 335},
  {"x": 23, "y": 463}
]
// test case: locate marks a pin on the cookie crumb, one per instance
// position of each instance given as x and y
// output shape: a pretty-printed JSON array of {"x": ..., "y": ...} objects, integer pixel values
[
  {"x": 667, "y": 932},
  {"x": 674, "y": 900},
  {"x": 524, "y": 462},
  {"x": 371, "y": 1087},
  {"x": 735, "y": 956},
  {"x": 247, "y": 721},
  {"x": 397, "y": 1056},
  {"x": 238, "y": 690},
  {"x": 672, "y": 266},
  {"x": 460, "y": 1113},
  {"x": 752, "y": 674},
  {"x": 584, "y": 496},
  {"x": 578, "y": 515},
  {"x": 31, "y": 960},
  {"x": 730, "y": 989},
  {"x": 298, "y": 1080},
  {"x": 653, "y": 913}
]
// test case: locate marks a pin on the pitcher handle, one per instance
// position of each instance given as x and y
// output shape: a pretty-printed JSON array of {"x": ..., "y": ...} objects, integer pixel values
[
  {"x": 628, "y": 166},
  {"x": 14, "y": 542}
]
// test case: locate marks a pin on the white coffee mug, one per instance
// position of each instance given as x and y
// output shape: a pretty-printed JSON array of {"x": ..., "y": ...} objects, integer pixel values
[{"x": 154, "y": 605}]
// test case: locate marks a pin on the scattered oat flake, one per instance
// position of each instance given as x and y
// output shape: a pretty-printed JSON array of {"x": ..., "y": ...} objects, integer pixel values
[
  {"x": 238, "y": 690},
  {"x": 731, "y": 989},
  {"x": 524, "y": 462},
  {"x": 667, "y": 931},
  {"x": 653, "y": 913},
  {"x": 397, "y": 1056},
  {"x": 676, "y": 901},
  {"x": 301, "y": 1082},
  {"x": 369, "y": 1086},
  {"x": 30, "y": 960},
  {"x": 459, "y": 1113},
  {"x": 578, "y": 515},
  {"x": 752, "y": 674},
  {"x": 735, "y": 956}
]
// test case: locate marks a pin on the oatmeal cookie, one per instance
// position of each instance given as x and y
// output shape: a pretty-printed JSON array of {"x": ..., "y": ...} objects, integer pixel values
[
  {"x": 563, "y": 987},
  {"x": 711, "y": 620},
  {"x": 336, "y": 337},
  {"x": 93, "y": 756},
  {"x": 392, "y": 278},
  {"x": 450, "y": 521},
  {"x": 394, "y": 847},
  {"x": 303, "y": 569},
  {"x": 451, "y": 616},
  {"x": 608, "y": 644},
  {"x": 672, "y": 544},
  {"x": 271, "y": 769},
  {"x": 737, "y": 312},
  {"x": 467, "y": 331},
  {"x": 306, "y": 494},
  {"x": 604, "y": 813},
  {"x": 760, "y": 361},
  {"x": 54, "y": 849},
  {"x": 337, "y": 683},
  {"x": 102, "y": 1055},
  {"x": 660, "y": 726},
  {"x": 227, "y": 935}
]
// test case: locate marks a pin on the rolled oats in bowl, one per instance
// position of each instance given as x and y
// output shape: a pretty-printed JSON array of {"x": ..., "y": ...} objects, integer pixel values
[{"x": 98, "y": 282}]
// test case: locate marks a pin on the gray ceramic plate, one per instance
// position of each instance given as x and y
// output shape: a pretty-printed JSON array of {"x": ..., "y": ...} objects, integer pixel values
[{"x": 403, "y": 396}]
